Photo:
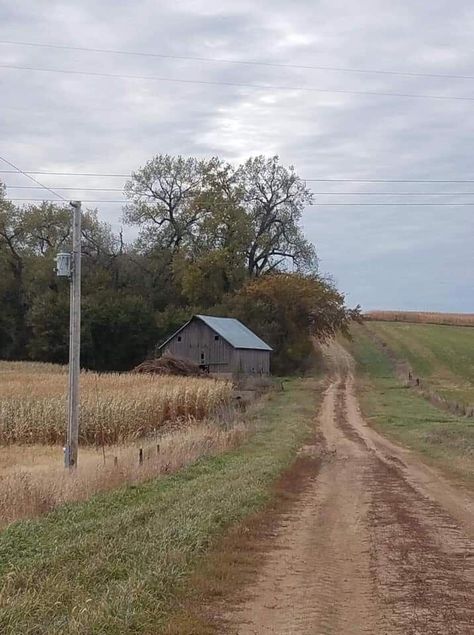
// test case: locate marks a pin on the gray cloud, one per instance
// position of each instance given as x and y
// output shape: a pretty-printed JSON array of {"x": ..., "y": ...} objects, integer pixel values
[{"x": 387, "y": 257}]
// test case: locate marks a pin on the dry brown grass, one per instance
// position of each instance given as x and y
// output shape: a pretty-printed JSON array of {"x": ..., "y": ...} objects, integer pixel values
[
  {"x": 33, "y": 480},
  {"x": 115, "y": 408},
  {"x": 422, "y": 317}
]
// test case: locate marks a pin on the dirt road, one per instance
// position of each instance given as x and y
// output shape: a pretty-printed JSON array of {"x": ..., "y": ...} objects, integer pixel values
[{"x": 377, "y": 543}]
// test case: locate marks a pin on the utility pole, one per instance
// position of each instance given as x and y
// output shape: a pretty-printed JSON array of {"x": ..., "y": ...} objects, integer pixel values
[{"x": 72, "y": 432}]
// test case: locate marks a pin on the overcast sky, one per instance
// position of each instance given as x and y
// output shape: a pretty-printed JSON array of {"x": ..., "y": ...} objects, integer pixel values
[{"x": 406, "y": 257}]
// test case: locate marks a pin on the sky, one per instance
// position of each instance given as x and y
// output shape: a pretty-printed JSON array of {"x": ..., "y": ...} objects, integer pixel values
[{"x": 397, "y": 256}]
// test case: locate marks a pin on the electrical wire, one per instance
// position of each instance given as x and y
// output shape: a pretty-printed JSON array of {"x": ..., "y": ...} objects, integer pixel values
[
  {"x": 32, "y": 179},
  {"x": 69, "y": 189},
  {"x": 67, "y": 173},
  {"x": 49, "y": 200},
  {"x": 318, "y": 180},
  {"x": 173, "y": 80},
  {"x": 342, "y": 69},
  {"x": 389, "y": 180},
  {"x": 404, "y": 204},
  {"x": 119, "y": 189}
]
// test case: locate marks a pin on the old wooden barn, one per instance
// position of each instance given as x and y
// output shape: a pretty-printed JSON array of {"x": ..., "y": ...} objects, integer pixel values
[{"x": 219, "y": 345}]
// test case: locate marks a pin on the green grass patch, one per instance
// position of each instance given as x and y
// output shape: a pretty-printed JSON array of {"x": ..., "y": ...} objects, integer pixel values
[
  {"x": 444, "y": 355},
  {"x": 116, "y": 563},
  {"x": 406, "y": 416}
]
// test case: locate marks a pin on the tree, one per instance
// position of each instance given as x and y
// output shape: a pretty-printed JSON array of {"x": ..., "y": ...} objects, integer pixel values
[
  {"x": 274, "y": 198},
  {"x": 13, "y": 329},
  {"x": 162, "y": 195},
  {"x": 118, "y": 330},
  {"x": 287, "y": 310},
  {"x": 198, "y": 205}
]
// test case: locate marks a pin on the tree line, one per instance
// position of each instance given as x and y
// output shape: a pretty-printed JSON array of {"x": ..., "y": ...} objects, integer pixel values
[{"x": 212, "y": 238}]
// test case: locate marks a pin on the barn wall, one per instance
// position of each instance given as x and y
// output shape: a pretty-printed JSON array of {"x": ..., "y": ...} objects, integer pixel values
[
  {"x": 251, "y": 361},
  {"x": 197, "y": 339}
]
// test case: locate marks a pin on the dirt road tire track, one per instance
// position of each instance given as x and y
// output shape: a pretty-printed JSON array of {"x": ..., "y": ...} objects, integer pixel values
[{"x": 368, "y": 548}]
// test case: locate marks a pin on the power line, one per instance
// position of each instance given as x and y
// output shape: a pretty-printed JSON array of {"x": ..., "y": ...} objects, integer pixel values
[
  {"x": 119, "y": 189},
  {"x": 342, "y": 69},
  {"x": 394, "y": 193},
  {"x": 32, "y": 178},
  {"x": 173, "y": 80},
  {"x": 49, "y": 200},
  {"x": 415, "y": 204},
  {"x": 404, "y": 204},
  {"x": 318, "y": 180},
  {"x": 67, "y": 173},
  {"x": 69, "y": 189},
  {"x": 389, "y": 180}
]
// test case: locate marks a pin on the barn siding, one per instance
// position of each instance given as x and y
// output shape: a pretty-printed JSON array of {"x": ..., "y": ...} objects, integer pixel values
[
  {"x": 197, "y": 338},
  {"x": 251, "y": 361}
]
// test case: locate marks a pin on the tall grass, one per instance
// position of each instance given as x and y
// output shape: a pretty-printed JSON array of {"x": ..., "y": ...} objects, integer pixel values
[
  {"x": 115, "y": 408},
  {"x": 26, "y": 492},
  {"x": 422, "y": 317}
]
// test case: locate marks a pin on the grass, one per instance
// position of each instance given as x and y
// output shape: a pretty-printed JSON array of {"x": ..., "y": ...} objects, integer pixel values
[
  {"x": 115, "y": 408},
  {"x": 443, "y": 355},
  {"x": 404, "y": 415},
  {"x": 424, "y": 317},
  {"x": 117, "y": 563},
  {"x": 33, "y": 480}
]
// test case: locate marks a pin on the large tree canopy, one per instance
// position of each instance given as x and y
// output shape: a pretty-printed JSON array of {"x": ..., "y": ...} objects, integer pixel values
[
  {"x": 195, "y": 205},
  {"x": 162, "y": 199},
  {"x": 274, "y": 198},
  {"x": 289, "y": 309},
  {"x": 213, "y": 238}
]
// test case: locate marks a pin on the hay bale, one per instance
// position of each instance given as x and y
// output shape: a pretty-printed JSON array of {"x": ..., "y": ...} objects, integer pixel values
[{"x": 170, "y": 366}]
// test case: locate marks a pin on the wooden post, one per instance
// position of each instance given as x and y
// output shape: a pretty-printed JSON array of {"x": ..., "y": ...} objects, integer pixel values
[{"x": 72, "y": 433}]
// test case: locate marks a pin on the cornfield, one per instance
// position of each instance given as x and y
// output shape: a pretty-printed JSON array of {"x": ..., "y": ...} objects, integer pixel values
[
  {"x": 115, "y": 408},
  {"x": 421, "y": 317}
]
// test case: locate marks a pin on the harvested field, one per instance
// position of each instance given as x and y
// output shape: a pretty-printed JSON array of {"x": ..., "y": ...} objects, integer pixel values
[
  {"x": 422, "y": 317},
  {"x": 115, "y": 408}
]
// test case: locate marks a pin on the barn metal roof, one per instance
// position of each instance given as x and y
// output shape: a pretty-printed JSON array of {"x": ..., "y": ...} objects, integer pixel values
[
  {"x": 232, "y": 330},
  {"x": 236, "y": 333}
]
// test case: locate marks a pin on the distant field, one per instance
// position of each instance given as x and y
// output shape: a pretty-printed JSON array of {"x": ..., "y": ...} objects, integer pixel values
[
  {"x": 442, "y": 355},
  {"x": 459, "y": 319},
  {"x": 403, "y": 413},
  {"x": 115, "y": 408}
]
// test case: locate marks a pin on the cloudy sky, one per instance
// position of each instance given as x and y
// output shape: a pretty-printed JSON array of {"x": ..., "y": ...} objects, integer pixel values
[{"x": 403, "y": 256}]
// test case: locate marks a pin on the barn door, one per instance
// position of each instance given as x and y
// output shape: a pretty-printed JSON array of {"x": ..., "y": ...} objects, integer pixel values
[{"x": 203, "y": 363}]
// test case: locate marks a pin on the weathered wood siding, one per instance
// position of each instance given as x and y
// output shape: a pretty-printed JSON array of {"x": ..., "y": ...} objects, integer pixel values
[
  {"x": 198, "y": 343},
  {"x": 251, "y": 361}
]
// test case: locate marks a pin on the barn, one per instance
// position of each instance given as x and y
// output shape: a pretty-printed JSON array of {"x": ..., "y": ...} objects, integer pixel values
[{"x": 219, "y": 345}]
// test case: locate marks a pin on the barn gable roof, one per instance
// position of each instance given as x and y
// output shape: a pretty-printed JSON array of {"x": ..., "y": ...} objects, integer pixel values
[
  {"x": 232, "y": 330},
  {"x": 236, "y": 333}
]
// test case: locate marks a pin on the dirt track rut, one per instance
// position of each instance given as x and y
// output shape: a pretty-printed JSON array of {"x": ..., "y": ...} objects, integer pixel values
[{"x": 377, "y": 543}]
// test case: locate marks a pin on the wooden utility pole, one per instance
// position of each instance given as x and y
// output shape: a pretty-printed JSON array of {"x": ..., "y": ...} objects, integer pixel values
[{"x": 72, "y": 434}]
